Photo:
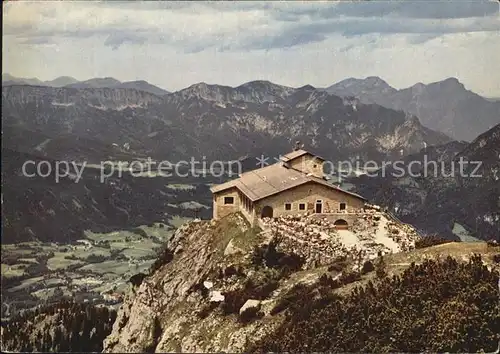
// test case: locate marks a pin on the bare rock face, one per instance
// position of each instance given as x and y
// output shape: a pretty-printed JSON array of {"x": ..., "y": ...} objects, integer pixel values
[
  {"x": 138, "y": 324},
  {"x": 174, "y": 311},
  {"x": 163, "y": 315},
  {"x": 206, "y": 299},
  {"x": 249, "y": 304},
  {"x": 135, "y": 324},
  {"x": 232, "y": 249}
]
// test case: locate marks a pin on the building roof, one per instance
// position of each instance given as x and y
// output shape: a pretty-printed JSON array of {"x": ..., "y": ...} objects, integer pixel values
[
  {"x": 264, "y": 182},
  {"x": 297, "y": 153}
]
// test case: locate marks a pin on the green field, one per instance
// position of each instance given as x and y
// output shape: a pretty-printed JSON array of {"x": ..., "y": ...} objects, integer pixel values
[
  {"x": 16, "y": 270},
  {"x": 98, "y": 263},
  {"x": 25, "y": 284},
  {"x": 180, "y": 186},
  {"x": 177, "y": 221},
  {"x": 115, "y": 267},
  {"x": 58, "y": 262}
]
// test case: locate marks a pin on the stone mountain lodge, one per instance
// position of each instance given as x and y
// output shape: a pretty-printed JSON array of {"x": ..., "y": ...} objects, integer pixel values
[{"x": 295, "y": 185}]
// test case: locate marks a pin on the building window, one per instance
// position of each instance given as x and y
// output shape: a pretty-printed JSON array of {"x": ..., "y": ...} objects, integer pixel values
[
  {"x": 302, "y": 206},
  {"x": 343, "y": 206},
  {"x": 228, "y": 200},
  {"x": 288, "y": 206}
]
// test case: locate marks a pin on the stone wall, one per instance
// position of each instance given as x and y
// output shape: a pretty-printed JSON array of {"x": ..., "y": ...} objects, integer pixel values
[
  {"x": 350, "y": 218},
  {"x": 308, "y": 194},
  {"x": 308, "y": 164},
  {"x": 220, "y": 209}
]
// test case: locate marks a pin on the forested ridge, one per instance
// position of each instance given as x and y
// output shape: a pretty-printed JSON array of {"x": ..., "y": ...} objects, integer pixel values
[
  {"x": 62, "y": 327},
  {"x": 437, "y": 306}
]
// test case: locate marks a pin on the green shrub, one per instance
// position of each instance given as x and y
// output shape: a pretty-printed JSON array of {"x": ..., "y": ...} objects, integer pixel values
[
  {"x": 250, "y": 314},
  {"x": 438, "y": 306},
  {"x": 429, "y": 241},
  {"x": 367, "y": 267},
  {"x": 252, "y": 289},
  {"x": 207, "y": 310},
  {"x": 492, "y": 243},
  {"x": 165, "y": 256},
  {"x": 380, "y": 268},
  {"x": 269, "y": 256},
  {"x": 291, "y": 297},
  {"x": 338, "y": 264}
]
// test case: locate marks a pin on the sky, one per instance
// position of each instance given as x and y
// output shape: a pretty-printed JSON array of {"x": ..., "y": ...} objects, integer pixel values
[{"x": 177, "y": 44}]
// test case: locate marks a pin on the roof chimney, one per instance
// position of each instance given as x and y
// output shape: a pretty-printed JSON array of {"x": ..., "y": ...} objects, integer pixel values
[{"x": 298, "y": 145}]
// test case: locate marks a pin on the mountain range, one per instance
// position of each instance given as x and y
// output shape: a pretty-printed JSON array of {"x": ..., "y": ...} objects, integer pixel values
[
  {"x": 217, "y": 122},
  {"x": 220, "y": 123},
  {"x": 446, "y": 106},
  {"x": 66, "y": 81},
  {"x": 61, "y": 81}
]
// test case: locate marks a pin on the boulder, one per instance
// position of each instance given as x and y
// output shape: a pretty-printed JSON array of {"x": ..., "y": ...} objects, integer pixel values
[
  {"x": 250, "y": 304},
  {"x": 232, "y": 249},
  {"x": 208, "y": 284},
  {"x": 216, "y": 296}
]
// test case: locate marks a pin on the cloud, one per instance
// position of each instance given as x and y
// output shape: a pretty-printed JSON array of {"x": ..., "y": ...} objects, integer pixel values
[
  {"x": 421, "y": 38},
  {"x": 414, "y": 9},
  {"x": 423, "y": 9},
  {"x": 115, "y": 40},
  {"x": 230, "y": 42},
  {"x": 284, "y": 40},
  {"x": 38, "y": 40},
  {"x": 294, "y": 34},
  {"x": 225, "y": 26}
]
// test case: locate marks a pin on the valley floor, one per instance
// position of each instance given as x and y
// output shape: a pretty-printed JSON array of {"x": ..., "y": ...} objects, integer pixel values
[{"x": 95, "y": 269}]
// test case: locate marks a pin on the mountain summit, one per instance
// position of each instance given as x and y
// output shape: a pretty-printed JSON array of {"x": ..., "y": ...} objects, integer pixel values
[{"x": 446, "y": 106}]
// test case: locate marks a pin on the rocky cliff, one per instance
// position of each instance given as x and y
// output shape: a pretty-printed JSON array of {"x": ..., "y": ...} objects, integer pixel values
[
  {"x": 101, "y": 98},
  {"x": 218, "y": 122},
  {"x": 195, "y": 303},
  {"x": 221, "y": 286}
]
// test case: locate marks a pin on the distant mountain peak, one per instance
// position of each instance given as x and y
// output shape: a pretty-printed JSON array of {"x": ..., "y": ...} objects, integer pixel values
[
  {"x": 451, "y": 80},
  {"x": 307, "y": 88},
  {"x": 57, "y": 82},
  {"x": 446, "y": 105},
  {"x": 139, "y": 81},
  {"x": 106, "y": 80},
  {"x": 369, "y": 82},
  {"x": 198, "y": 87},
  {"x": 204, "y": 91},
  {"x": 360, "y": 88},
  {"x": 7, "y": 77},
  {"x": 375, "y": 80},
  {"x": 260, "y": 84}
]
